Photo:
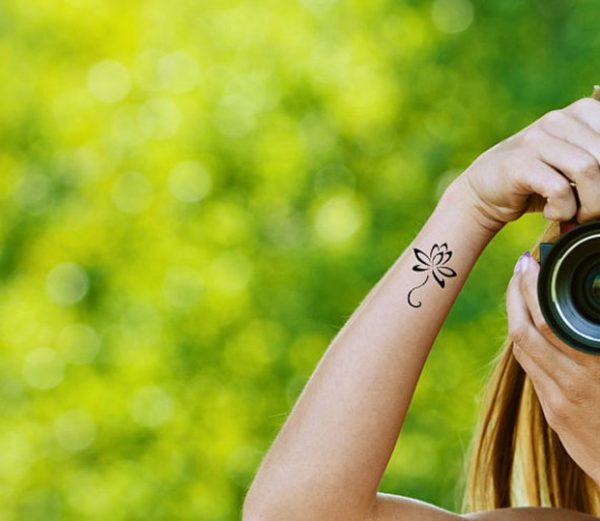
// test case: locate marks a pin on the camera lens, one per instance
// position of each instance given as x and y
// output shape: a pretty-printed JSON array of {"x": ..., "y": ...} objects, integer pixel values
[
  {"x": 569, "y": 287},
  {"x": 586, "y": 289},
  {"x": 592, "y": 288}
]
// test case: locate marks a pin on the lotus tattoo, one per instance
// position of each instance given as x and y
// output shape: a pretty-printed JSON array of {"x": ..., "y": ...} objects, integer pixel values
[{"x": 435, "y": 263}]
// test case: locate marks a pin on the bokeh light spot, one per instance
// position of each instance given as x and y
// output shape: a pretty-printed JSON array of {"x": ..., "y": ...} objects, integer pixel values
[
  {"x": 151, "y": 407},
  {"x": 67, "y": 283},
  {"x": 253, "y": 349},
  {"x": 145, "y": 69},
  {"x": 189, "y": 181},
  {"x": 32, "y": 190},
  {"x": 179, "y": 72},
  {"x": 316, "y": 5},
  {"x": 339, "y": 218},
  {"x": 75, "y": 430},
  {"x": 109, "y": 81},
  {"x": 182, "y": 287},
  {"x": 43, "y": 368},
  {"x": 452, "y": 16},
  {"x": 79, "y": 343},
  {"x": 159, "y": 118},
  {"x": 17, "y": 454},
  {"x": 132, "y": 192},
  {"x": 230, "y": 272}
]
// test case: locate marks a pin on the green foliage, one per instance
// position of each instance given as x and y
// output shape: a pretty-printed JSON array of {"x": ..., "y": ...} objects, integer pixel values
[{"x": 196, "y": 195}]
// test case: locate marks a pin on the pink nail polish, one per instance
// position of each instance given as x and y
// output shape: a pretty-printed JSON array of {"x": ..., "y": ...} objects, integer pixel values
[
  {"x": 526, "y": 262},
  {"x": 518, "y": 265},
  {"x": 522, "y": 262}
]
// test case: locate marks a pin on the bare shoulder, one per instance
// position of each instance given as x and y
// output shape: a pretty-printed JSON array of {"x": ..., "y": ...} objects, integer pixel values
[
  {"x": 530, "y": 514},
  {"x": 389, "y": 507}
]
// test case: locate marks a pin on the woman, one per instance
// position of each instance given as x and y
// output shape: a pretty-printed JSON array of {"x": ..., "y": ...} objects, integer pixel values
[{"x": 543, "y": 407}]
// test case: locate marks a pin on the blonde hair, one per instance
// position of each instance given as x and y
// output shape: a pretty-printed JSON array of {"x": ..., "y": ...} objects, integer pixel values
[{"x": 516, "y": 458}]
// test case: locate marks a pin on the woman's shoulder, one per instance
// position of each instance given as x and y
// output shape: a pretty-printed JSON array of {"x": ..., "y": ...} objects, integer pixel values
[
  {"x": 530, "y": 514},
  {"x": 390, "y": 507}
]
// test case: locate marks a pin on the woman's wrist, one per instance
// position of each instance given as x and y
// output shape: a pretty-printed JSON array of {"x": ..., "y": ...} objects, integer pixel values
[{"x": 460, "y": 195}]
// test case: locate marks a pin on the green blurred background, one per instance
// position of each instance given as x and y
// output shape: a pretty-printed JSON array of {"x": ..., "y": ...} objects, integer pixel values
[{"x": 196, "y": 196}]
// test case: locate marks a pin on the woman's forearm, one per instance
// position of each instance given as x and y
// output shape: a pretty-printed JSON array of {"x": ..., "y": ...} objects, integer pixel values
[{"x": 328, "y": 459}]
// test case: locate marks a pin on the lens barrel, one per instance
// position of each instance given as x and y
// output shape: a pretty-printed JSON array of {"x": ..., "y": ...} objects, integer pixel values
[{"x": 569, "y": 286}]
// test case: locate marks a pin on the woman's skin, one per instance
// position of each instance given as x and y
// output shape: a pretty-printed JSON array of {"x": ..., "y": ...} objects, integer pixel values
[{"x": 328, "y": 459}]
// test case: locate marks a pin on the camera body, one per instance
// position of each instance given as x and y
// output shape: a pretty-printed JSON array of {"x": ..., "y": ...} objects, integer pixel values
[{"x": 569, "y": 286}]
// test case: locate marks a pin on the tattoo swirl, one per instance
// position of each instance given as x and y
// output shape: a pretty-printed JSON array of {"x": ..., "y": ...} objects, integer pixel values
[{"x": 435, "y": 264}]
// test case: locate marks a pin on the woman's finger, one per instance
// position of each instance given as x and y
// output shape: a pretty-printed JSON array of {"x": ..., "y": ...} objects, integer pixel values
[
  {"x": 564, "y": 357},
  {"x": 585, "y": 170},
  {"x": 565, "y": 125},
  {"x": 586, "y": 110},
  {"x": 524, "y": 335},
  {"x": 546, "y": 388},
  {"x": 579, "y": 165},
  {"x": 536, "y": 177}
]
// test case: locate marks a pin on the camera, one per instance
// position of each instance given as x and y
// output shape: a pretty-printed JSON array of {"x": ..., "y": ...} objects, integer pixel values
[{"x": 569, "y": 286}]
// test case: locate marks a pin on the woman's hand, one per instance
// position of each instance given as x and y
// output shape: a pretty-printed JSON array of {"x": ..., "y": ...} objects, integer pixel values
[
  {"x": 531, "y": 170},
  {"x": 566, "y": 381}
]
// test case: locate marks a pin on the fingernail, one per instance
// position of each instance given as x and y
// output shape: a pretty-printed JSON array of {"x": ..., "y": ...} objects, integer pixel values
[
  {"x": 522, "y": 262},
  {"x": 518, "y": 265}
]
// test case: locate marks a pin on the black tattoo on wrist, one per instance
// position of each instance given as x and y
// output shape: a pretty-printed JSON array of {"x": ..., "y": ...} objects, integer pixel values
[{"x": 433, "y": 263}]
